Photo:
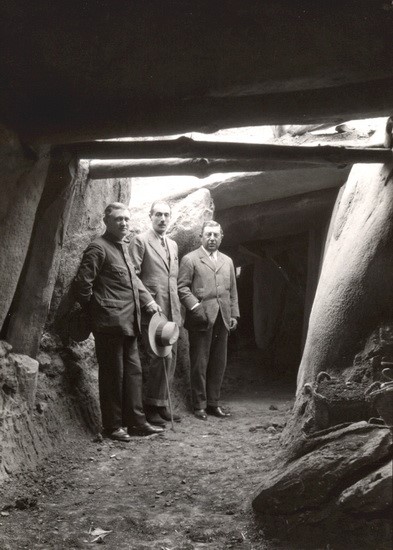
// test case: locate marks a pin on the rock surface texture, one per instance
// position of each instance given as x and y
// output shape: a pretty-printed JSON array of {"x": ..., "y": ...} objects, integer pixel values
[
  {"x": 41, "y": 400},
  {"x": 22, "y": 181},
  {"x": 335, "y": 466},
  {"x": 31, "y": 302},
  {"x": 355, "y": 292},
  {"x": 37, "y": 407},
  {"x": 350, "y": 322}
]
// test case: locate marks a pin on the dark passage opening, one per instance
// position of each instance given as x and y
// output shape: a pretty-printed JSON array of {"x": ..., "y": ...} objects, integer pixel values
[{"x": 271, "y": 283}]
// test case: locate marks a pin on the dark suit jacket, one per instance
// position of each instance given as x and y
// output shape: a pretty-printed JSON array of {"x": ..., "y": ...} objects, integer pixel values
[
  {"x": 212, "y": 285},
  {"x": 157, "y": 274},
  {"x": 107, "y": 281}
]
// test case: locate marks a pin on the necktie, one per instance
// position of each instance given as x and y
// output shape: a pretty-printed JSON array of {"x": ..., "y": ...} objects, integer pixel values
[
  {"x": 213, "y": 258},
  {"x": 164, "y": 247}
]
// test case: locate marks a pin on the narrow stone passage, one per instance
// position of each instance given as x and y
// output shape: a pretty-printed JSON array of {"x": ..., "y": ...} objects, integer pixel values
[{"x": 188, "y": 489}]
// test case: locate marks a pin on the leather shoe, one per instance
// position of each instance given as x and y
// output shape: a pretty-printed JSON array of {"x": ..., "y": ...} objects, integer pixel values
[
  {"x": 154, "y": 417},
  {"x": 217, "y": 411},
  {"x": 145, "y": 429},
  {"x": 166, "y": 415},
  {"x": 200, "y": 413},
  {"x": 120, "y": 435}
]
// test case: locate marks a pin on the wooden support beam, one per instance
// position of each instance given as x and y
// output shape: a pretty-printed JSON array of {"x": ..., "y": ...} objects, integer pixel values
[
  {"x": 197, "y": 167},
  {"x": 185, "y": 147}
]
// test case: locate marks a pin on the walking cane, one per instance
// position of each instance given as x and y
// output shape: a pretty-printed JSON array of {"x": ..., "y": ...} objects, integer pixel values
[
  {"x": 164, "y": 359},
  {"x": 162, "y": 335}
]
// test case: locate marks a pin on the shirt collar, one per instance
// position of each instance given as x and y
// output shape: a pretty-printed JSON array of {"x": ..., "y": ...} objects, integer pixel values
[
  {"x": 114, "y": 239},
  {"x": 210, "y": 253},
  {"x": 160, "y": 237}
]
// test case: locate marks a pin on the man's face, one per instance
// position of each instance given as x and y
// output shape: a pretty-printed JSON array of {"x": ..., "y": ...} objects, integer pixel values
[
  {"x": 211, "y": 238},
  {"x": 117, "y": 223},
  {"x": 160, "y": 218}
]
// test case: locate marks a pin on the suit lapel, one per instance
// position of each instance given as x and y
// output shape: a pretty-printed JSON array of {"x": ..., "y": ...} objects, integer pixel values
[
  {"x": 171, "y": 251},
  {"x": 220, "y": 261},
  {"x": 206, "y": 260},
  {"x": 156, "y": 245}
]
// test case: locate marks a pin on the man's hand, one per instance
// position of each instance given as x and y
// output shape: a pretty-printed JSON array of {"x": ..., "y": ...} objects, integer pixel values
[
  {"x": 232, "y": 324},
  {"x": 153, "y": 308}
]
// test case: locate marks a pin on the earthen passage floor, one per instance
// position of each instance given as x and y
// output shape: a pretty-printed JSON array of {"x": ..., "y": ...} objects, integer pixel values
[{"x": 189, "y": 489}]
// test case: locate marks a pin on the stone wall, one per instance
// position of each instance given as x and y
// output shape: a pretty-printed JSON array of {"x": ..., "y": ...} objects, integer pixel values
[
  {"x": 22, "y": 181},
  {"x": 37, "y": 406},
  {"x": 55, "y": 393},
  {"x": 334, "y": 457}
]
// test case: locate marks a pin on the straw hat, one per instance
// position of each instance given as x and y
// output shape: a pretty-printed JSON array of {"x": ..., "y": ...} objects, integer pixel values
[{"x": 162, "y": 334}]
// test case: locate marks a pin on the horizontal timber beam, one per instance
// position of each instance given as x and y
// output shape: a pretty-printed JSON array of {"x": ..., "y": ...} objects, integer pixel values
[
  {"x": 197, "y": 167},
  {"x": 184, "y": 147}
]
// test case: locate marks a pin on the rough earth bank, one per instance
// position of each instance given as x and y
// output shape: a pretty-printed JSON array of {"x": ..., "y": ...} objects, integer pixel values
[{"x": 188, "y": 489}]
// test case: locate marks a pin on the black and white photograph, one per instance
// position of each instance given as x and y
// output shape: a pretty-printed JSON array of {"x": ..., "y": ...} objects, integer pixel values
[{"x": 196, "y": 274}]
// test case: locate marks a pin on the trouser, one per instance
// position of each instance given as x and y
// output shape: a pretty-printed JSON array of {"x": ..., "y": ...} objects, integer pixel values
[
  {"x": 208, "y": 358},
  {"x": 156, "y": 389},
  {"x": 119, "y": 381}
]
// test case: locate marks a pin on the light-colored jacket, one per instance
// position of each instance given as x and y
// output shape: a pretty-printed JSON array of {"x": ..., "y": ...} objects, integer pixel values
[
  {"x": 157, "y": 274},
  {"x": 213, "y": 285}
]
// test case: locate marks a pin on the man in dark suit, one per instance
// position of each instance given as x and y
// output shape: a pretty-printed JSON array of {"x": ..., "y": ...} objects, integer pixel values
[
  {"x": 155, "y": 258},
  {"x": 207, "y": 289},
  {"x": 107, "y": 286}
]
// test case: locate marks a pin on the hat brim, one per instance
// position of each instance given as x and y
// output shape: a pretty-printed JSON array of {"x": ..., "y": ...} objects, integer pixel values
[{"x": 160, "y": 351}]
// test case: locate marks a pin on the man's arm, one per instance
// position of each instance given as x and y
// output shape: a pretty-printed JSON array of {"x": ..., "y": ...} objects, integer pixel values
[
  {"x": 233, "y": 298},
  {"x": 184, "y": 282},
  {"x": 92, "y": 261},
  {"x": 137, "y": 252},
  {"x": 146, "y": 299}
]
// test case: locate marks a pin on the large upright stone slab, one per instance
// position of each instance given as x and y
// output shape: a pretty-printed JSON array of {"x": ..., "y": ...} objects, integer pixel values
[
  {"x": 32, "y": 299},
  {"x": 355, "y": 291},
  {"x": 22, "y": 179}
]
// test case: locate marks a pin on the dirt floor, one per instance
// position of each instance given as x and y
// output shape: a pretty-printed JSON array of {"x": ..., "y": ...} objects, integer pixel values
[{"x": 187, "y": 489}]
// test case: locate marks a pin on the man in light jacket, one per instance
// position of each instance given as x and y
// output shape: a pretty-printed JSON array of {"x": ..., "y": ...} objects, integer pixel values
[
  {"x": 155, "y": 257},
  {"x": 207, "y": 289}
]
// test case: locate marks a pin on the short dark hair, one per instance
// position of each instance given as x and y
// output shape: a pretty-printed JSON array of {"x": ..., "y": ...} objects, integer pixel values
[
  {"x": 159, "y": 202},
  {"x": 211, "y": 223},
  {"x": 114, "y": 206}
]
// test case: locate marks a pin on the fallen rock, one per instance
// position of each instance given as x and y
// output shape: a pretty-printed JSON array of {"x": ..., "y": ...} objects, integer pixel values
[
  {"x": 312, "y": 481},
  {"x": 373, "y": 493}
]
